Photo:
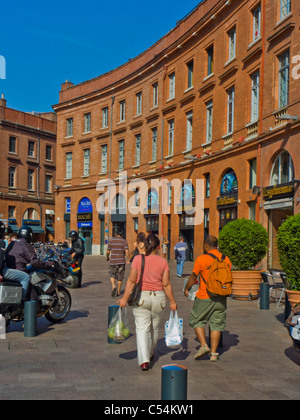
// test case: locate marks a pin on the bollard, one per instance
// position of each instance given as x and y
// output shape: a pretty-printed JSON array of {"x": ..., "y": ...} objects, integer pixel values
[
  {"x": 30, "y": 324},
  {"x": 264, "y": 296},
  {"x": 112, "y": 310},
  {"x": 174, "y": 383}
]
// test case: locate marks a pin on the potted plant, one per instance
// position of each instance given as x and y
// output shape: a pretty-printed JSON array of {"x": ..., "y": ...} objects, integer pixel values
[
  {"x": 245, "y": 242},
  {"x": 288, "y": 245}
]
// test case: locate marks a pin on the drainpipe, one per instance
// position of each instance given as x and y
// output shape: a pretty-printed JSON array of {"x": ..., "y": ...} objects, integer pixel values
[
  {"x": 110, "y": 158},
  {"x": 162, "y": 149}
]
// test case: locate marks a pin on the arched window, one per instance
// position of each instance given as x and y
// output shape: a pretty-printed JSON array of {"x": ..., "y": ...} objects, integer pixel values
[{"x": 283, "y": 169}]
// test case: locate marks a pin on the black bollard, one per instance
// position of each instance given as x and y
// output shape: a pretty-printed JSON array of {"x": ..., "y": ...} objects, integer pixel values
[
  {"x": 174, "y": 383},
  {"x": 112, "y": 310},
  {"x": 264, "y": 296},
  {"x": 30, "y": 321}
]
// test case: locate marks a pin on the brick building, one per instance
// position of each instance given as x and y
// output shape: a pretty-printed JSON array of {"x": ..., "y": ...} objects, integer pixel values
[
  {"x": 216, "y": 99},
  {"x": 27, "y": 175}
]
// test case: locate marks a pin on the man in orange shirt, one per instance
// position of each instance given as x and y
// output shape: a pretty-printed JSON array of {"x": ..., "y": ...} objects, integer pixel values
[{"x": 207, "y": 309}]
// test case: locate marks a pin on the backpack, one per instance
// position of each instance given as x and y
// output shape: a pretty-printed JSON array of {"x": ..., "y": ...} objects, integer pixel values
[{"x": 219, "y": 282}]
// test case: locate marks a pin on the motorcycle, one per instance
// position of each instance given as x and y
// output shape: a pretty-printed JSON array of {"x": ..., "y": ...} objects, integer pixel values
[{"x": 53, "y": 299}]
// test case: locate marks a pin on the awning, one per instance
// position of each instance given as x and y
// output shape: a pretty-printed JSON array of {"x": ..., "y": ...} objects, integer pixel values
[
  {"x": 50, "y": 212},
  {"x": 283, "y": 203},
  {"x": 37, "y": 229},
  {"x": 14, "y": 228},
  {"x": 51, "y": 229}
]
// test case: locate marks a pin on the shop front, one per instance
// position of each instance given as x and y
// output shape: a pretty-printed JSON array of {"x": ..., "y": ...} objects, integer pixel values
[
  {"x": 186, "y": 217},
  {"x": 32, "y": 219},
  {"x": 118, "y": 216},
  {"x": 227, "y": 203},
  {"x": 85, "y": 223},
  {"x": 152, "y": 213},
  {"x": 279, "y": 204}
]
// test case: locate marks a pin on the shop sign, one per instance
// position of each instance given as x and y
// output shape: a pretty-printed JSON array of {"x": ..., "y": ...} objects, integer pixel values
[
  {"x": 278, "y": 191},
  {"x": 85, "y": 206},
  {"x": 227, "y": 201},
  {"x": 187, "y": 199},
  {"x": 84, "y": 217},
  {"x": 229, "y": 184},
  {"x": 31, "y": 222}
]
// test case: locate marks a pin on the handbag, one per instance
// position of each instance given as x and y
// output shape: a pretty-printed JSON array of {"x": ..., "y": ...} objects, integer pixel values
[
  {"x": 136, "y": 291},
  {"x": 174, "y": 330}
]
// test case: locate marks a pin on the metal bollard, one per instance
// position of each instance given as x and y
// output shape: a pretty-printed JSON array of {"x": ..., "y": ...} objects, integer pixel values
[
  {"x": 264, "y": 296},
  {"x": 112, "y": 310},
  {"x": 30, "y": 324},
  {"x": 174, "y": 383}
]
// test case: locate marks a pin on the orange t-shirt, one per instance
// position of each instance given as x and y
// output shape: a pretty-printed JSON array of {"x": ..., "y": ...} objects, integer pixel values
[{"x": 202, "y": 265}]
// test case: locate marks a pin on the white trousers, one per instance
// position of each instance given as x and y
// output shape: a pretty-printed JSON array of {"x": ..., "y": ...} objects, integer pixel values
[{"x": 147, "y": 315}]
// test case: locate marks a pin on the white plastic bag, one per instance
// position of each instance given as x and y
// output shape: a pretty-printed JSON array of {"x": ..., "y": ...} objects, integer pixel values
[
  {"x": 174, "y": 330},
  {"x": 118, "y": 329}
]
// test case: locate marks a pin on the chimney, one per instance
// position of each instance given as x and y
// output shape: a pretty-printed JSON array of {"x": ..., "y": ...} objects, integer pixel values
[
  {"x": 3, "y": 101},
  {"x": 67, "y": 85}
]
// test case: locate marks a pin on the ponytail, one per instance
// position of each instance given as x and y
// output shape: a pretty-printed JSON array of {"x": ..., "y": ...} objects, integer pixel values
[{"x": 152, "y": 242}]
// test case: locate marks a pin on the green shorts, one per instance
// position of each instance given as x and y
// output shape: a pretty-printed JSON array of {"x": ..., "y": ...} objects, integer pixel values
[{"x": 212, "y": 311}]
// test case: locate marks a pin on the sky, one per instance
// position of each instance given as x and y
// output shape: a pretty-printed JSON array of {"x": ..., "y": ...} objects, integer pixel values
[{"x": 43, "y": 44}]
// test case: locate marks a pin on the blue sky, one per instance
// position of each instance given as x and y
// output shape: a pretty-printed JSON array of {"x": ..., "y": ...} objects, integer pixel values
[{"x": 45, "y": 43}]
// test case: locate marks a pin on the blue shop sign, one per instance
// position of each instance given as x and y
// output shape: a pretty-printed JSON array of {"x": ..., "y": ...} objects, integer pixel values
[{"x": 85, "y": 206}]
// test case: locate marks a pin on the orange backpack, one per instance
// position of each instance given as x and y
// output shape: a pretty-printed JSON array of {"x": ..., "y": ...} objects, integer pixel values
[{"x": 219, "y": 282}]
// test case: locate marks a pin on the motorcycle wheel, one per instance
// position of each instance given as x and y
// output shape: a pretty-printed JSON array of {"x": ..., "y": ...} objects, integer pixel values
[{"x": 59, "y": 313}]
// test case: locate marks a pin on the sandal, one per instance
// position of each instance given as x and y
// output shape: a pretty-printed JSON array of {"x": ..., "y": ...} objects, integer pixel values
[
  {"x": 202, "y": 351},
  {"x": 214, "y": 357}
]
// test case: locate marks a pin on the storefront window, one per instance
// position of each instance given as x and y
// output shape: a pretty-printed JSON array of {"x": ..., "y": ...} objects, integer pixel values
[{"x": 283, "y": 169}]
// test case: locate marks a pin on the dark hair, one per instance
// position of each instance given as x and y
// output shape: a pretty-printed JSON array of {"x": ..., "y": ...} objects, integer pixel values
[
  {"x": 152, "y": 242},
  {"x": 141, "y": 238},
  {"x": 211, "y": 241}
]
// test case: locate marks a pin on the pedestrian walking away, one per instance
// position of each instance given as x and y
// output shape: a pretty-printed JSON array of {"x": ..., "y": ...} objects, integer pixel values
[
  {"x": 139, "y": 246},
  {"x": 207, "y": 309},
  {"x": 165, "y": 244},
  {"x": 156, "y": 289},
  {"x": 77, "y": 251},
  {"x": 117, "y": 249},
  {"x": 180, "y": 250}
]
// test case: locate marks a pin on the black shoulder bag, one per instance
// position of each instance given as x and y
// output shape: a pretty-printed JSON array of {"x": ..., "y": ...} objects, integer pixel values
[{"x": 136, "y": 291}]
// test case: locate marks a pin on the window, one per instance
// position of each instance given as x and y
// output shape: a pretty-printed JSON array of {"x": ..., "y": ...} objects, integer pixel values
[
  {"x": 31, "y": 148},
  {"x": 284, "y": 69},
  {"x": 30, "y": 179},
  {"x": 121, "y": 155},
  {"x": 285, "y": 8},
  {"x": 154, "y": 144},
  {"x": 283, "y": 169},
  {"x": 12, "y": 145},
  {"x": 252, "y": 173},
  {"x": 69, "y": 164},
  {"x": 255, "y": 97},
  {"x": 155, "y": 94},
  {"x": 48, "y": 184},
  {"x": 122, "y": 111},
  {"x": 136, "y": 223},
  {"x": 209, "y": 120},
  {"x": 104, "y": 159},
  {"x": 11, "y": 177},
  {"x": 171, "y": 138},
  {"x": 207, "y": 185},
  {"x": 206, "y": 222},
  {"x": 189, "y": 131},
  {"x": 139, "y": 103},
  {"x": 230, "y": 110},
  {"x": 105, "y": 117},
  {"x": 11, "y": 212},
  {"x": 137, "y": 150},
  {"x": 210, "y": 60},
  {"x": 69, "y": 127},
  {"x": 172, "y": 86},
  {"x": 256, "y": 23},
  {"x": 190, "y": 67},
  {"x": 86, "y": 162},
  {"x": 252, "y": 210},
  {"x": 232, "y": 44},
  {"x": 87, "y": 122},
  {"x": 48, "y": 152}
]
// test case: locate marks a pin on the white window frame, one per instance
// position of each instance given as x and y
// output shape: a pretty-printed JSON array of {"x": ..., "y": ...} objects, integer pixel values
[
  {"x": 231, "y": 44},
  {"x": 139, "y": 103},
  {"x": 285, "y": 8},
  {"x": 87, "y": 122},
  {"x": 122, "y": 111},
  {"x": 12, "y": 177},
  {"x": 171, "y": 138},
  {"x": 172, "y": 85},
  {"x": 121, "y": 154},
  {"x": 70, "y": 127},
  {"x": 104, "y": 159},
  {"x": 255, "y": 92},
  {"x": 105, "y": 117},
  {"x": 190, "y": 68},
  {"x": 155, "y": 94},
  {"x": 86, "y": 162},
  {"x": 138, "y": 141},
  {"x": 69, "y": 165},
  {"x": 230, "y": 109},
  {"x": 30, "y": 179},
  {"x": 291, "y": 169},
  {"x": 189, "y": 131},
  {"x": 256, "y": 23},
  {"x": 48, "y": 184},
  {"x": 284, "y": 78},
  {"x": 154, "y": 144},
  {"x": 209, "y": 121}
]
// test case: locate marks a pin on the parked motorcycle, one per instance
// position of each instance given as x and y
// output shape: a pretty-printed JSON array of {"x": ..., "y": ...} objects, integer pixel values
[{"x": 53, "y": 299}]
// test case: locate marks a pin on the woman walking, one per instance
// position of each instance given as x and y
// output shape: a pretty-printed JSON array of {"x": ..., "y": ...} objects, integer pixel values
[{"x": 148, "y": 311}]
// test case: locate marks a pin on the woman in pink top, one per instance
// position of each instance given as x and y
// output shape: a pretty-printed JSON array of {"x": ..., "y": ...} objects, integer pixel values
[{"x": 156, "y": 286}]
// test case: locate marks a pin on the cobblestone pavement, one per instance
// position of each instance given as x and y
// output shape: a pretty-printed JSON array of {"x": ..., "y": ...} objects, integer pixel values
[{"x": 74, "y": 361}]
